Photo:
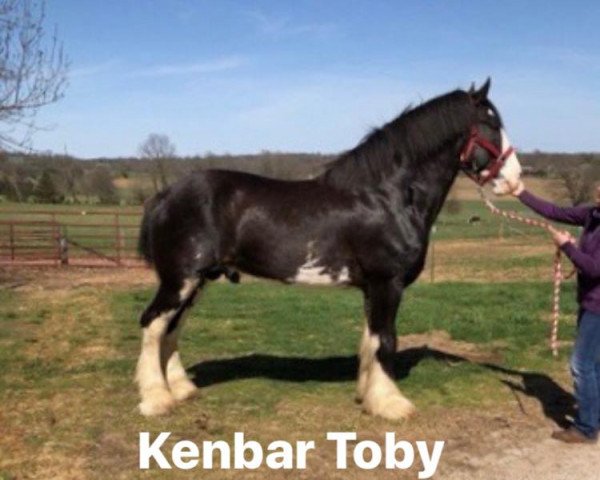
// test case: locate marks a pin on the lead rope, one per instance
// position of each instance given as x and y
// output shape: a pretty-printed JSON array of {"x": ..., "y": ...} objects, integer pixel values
[{"x": 557, "y": 276}]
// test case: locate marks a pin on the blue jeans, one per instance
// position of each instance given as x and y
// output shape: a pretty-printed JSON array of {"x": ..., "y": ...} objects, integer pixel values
[{"x": 585, "y": 368}]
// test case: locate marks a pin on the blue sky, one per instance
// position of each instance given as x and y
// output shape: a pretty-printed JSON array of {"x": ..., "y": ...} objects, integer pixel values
[{"x": 243, "y": 76}]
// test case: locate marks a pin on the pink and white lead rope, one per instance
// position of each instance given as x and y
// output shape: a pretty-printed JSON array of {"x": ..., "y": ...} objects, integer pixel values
[{"x": 557, "y": 264}]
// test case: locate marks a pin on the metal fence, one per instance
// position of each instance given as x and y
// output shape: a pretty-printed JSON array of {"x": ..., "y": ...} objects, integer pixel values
[
  {"x": 459, "y": 248},
  {"x": 70, "y": 237}
]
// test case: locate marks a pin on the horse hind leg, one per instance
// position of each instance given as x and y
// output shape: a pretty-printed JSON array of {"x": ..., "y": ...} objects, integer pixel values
[
  {"x": 181, "y": 387},
  {"x": 157, "y": 320}
]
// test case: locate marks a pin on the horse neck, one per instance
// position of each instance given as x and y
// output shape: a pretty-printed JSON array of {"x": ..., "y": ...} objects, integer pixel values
[{"x": 424, "y": 186}]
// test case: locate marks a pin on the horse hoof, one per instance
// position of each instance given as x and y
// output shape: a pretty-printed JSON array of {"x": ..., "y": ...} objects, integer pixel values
[
  {"x": 183, "y": 390},
  {"x": 158, "y": 403},
  {"x": 394, "y": 407}
]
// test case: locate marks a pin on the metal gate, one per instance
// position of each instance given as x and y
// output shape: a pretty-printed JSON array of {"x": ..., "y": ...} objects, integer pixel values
[{"x": 69, "y": 237}]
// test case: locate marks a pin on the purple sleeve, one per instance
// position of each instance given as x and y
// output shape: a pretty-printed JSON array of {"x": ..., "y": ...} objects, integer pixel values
[
  {"x": 587, "y": 264},
  {"x": 570, "y": 215}
]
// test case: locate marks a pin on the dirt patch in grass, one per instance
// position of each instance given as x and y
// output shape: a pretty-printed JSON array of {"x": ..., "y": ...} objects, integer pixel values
[
  {"x": 84, "y": 319},
  {"x": 441, "y": 341},
  {"x": 66, "y": 278}
]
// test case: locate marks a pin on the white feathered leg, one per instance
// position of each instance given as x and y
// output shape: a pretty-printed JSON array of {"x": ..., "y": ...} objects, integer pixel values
[
  {"x": 154, "y": 391},
  {"x": 180, "y": 385}
]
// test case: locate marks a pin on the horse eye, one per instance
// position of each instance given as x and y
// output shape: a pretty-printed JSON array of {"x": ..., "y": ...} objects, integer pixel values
[{"x": 480, "y": 159}]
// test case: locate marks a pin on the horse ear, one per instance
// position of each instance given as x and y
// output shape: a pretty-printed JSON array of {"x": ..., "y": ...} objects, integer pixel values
[
  {"x": 471, "y": 89},
  {"x": 481, "y": 94}
]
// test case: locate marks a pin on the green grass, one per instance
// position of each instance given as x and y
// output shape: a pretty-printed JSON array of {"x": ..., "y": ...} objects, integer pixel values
[
  {"x": 315, "y": 323},
  {"x": 275, "y": 361}
]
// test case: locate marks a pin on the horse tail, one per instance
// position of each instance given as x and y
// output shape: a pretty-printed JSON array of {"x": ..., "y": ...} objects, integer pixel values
[{"x": 144, "y": 240}]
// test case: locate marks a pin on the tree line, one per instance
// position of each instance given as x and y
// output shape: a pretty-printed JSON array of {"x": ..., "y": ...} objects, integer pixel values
[{"x": 48, "y": 178}]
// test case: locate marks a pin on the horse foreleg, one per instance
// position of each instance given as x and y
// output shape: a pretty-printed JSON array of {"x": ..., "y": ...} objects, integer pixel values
[
  {"x": 366, "y": 353},
  {"x": 376, "y": 385},
  {"x": 365, "y": 359}
]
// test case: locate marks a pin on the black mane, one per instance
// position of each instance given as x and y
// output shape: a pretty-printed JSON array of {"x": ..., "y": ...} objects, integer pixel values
[{"x": 416, "y": 134}]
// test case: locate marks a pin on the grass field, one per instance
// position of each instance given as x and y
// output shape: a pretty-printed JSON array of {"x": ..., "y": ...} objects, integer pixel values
[{"x": 273, "y": 361}]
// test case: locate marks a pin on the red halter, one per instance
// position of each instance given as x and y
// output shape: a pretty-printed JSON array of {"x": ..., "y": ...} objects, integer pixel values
[{"x": 493, "y": 167}]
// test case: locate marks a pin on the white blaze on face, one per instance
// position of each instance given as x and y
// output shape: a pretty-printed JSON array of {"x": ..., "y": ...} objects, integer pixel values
[{"x": 511, "y": 171}]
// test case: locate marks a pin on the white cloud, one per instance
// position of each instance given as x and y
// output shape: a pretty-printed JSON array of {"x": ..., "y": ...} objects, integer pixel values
[
  {"x": 218, "y": 65},
  {"x": 284, "y": 26},
  {"x": 94, "y": 69}
]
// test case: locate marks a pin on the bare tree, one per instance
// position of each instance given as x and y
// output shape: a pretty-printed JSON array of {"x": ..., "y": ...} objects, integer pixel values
[
  {"x": 158, "y": 149},
  {"x": 32, "y": 69},
  {"x": 100, "y": 183},
  {"x": 579, "y": 180}
]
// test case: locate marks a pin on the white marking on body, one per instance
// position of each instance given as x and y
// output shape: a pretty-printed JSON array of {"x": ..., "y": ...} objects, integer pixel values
[
  {"x": 313, "y": 272},
  {"x": 379, "y": 393},
  {"x": 156, "y": 397},
  {"x": 510, "y": 173},
  {"x": 343, "y": 275}
]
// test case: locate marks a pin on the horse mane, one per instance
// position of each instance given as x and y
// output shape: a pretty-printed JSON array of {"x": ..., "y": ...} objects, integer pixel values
[{"x": 415, "y": 135}]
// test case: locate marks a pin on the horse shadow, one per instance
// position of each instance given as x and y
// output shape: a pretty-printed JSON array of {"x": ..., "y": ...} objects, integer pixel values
[{"x": 557, "y": 404}]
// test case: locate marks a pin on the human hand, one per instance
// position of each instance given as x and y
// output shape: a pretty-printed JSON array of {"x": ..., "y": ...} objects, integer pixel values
[
  {"x": 561, "y": 237},
  {"x": 516, "y": 187}
]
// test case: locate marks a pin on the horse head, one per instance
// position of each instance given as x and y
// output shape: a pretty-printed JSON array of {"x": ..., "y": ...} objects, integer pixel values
[{"x": 488, "y": 154}]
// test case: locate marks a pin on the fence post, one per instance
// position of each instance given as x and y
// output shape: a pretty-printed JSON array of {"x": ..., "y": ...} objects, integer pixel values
[
  {"x": 118, "y": 238},
  {"x": 57, "y": 239},
  {"x": 64, "y": 247},
  {"x": 12, "y": 241}
]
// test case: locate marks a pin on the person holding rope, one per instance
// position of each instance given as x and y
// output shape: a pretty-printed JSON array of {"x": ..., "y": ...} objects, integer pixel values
[{"x": 585, "y": 360}]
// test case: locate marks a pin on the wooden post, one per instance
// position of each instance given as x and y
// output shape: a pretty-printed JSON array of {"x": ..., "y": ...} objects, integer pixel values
[
  {"x": 118, "y": 238},
  {"x": 12, "y": 241},
  {"x": 64, "y": 248},
  {"x": 57, "y": 239}
]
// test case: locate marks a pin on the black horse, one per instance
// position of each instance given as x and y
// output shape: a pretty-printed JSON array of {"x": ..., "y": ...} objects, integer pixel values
[{"x": 364, "y": 222}]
